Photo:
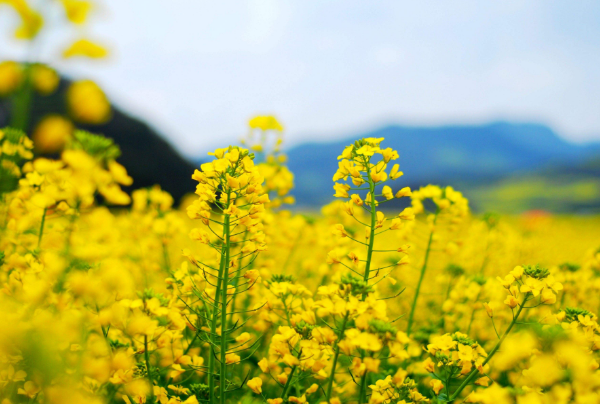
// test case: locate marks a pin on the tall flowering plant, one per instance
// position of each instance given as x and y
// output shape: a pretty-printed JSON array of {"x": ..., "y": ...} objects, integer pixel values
[{"x": 230, "y": 205}]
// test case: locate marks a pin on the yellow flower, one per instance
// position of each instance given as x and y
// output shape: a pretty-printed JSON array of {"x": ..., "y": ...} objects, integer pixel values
[
  {"x": 466, "y": 353},
  {"x": 243, "y": 338},
  {"x": 200, "y": 235},
  {"x": 263, "y": 364},
  {"x": 220, "y": 165},
  {"x": 15, "y": 376},
  {"x": 51, "y": 134},
  {"x": 338, "y": 230},
  {"x": 382, "y": 384},
  {"x": 380, "y": 219},
  {"x": 429, "y": 365},
  {"x": 179, "y": 390},
  {"x": 341, "y": 190},
  {"x": 389, "y": 154},
  {"x": 31, "y": 21},
  {"x": 396, "y": 224},
  {"x": 367, "y": 150},
  {"x": 489, "y": 310},
  {"x": 378, "y": 176},
  {"x": 404, "y": 192},
  {"x": 533, "y": 286},
  {"x": 437, "y": 386},
  {"x": 30, "y": 389},
  {"x": 218, "y": 153},
  {"x": 356, "y": 199},
  {"x": 255, "y": 385},
  {"x": 267, "y": 122},
  {"x": 45, "y": 79},
  {"x": 394, "y": 173},
  {"x": 11, "y": 77},
  {"x": 387, "y": 192},
  {"x": 160, "y": 393},
  {"x": 553, "y": 284},
  {"x": 346, "y": 154},
  {"x": 232, "y": 358},
  {"x": 507, "y": 281},
  {"x": 441, "y": 343},
  {"x": 511, "y": 301},
  {"x": 548, "y": 296},
  {"x": 85, "y": 48},
  {"x": 517, "y": 272},
  {"x": 77, "y": 10},
  {"x": 119, "y": 173},
  {"x": 290, "y": 360},
  {"x": 407, "y": 214},
  {"x": 252, "y": 275},
  {"x": 87, "y": 102}
]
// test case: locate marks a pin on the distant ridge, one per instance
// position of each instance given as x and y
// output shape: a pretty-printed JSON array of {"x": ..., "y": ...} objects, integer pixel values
[{"x": 463, "y": 155}]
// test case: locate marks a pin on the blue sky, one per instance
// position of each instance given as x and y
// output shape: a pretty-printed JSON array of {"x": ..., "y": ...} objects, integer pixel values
[{"x": 197, "y": 70}]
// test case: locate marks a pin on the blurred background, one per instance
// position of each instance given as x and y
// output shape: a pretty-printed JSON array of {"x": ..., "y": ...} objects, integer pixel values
[{"x": 499, "y": 99}]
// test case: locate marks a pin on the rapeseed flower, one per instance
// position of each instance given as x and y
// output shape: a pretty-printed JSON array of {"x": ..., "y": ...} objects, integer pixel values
[{"x": 232, "y": 298}]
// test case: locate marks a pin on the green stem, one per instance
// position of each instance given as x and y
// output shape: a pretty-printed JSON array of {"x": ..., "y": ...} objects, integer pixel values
[
  {"x": 473, "y": 315},
  {"x": 213, "y": 333},
  {"x": 286, "y": 310},
  {"x": 223, "y": 347},
  {"x": 147, "y": 357},
  {"x": 191, "y": 344},
  {"x": 423, "y": 269},
  {"x": 471, "y": 321},
  {"x": 362, "y": 395},
  {"x": 42, "y": 228},
  {"x": 71, "y": 228},
  {"x": 373, "y": 220},
  {"x": 22, "y": 101},
  {"x": 166, "y": 259},
  {"x": 446, "y": 296},
  {"x": 495, "y": 349},
  {"x": 288, "y": 383},
  {"x": 336, "y": 350},
  {"x": 236, "y": 281},
  {"x": 286, "y": 388}
]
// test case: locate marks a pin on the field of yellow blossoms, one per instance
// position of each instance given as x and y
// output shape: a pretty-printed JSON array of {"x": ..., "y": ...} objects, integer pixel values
[{"x": 388, "y": 295}]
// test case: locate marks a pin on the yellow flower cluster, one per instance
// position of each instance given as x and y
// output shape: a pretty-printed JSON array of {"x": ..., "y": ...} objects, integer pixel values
[
  {"x": 230, "y": 298},
  {"x": 14, "y": 148},
  {"x": 265, "y": 139},
  {"x": 531, "y": 282},
  {"x": 445, "y": 199},
  {"x": 454, "y": 356}
]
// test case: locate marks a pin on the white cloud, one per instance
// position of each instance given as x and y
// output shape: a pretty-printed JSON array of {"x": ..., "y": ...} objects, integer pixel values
[
  {"x": 387, "y": 55},
  {"x": 200, "y": 69}
]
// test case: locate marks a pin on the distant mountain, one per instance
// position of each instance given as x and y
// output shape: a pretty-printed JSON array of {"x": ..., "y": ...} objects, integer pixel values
[{"x": 464, "y": 156}]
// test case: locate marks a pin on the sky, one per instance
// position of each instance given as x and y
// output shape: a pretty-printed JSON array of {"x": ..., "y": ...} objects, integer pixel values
[{"x": 198, "y": 70}]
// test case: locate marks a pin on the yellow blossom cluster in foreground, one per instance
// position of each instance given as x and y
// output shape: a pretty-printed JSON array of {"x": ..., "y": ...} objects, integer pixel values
[{"x": 389, "y": 295}]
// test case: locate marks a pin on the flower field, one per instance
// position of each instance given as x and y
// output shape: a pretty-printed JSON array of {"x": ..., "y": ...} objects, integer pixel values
[{"x": 388, "y": 295}]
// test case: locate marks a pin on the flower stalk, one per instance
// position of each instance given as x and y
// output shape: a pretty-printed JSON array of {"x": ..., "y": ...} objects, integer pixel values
[
  {"x": 491, "y": 354},
  {"x": 421, "y": 276},
  {"x": 336, "y": 354}
]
